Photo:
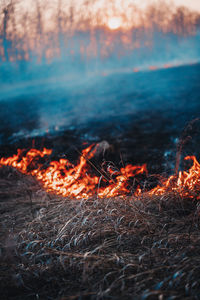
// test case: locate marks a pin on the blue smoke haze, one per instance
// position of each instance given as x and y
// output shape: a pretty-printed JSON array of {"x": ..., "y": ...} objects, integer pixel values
[{"x": 73, "y": 90}]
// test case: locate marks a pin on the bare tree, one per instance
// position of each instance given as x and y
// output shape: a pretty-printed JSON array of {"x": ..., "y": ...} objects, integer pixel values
[{"x": 6, "y": 17}]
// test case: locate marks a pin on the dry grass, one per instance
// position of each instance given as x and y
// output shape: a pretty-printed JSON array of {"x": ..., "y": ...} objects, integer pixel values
[{"x": 55, "y": 248}]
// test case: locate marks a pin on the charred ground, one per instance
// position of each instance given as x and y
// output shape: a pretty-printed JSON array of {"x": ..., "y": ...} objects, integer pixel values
[{"x": 141, "y": 114}]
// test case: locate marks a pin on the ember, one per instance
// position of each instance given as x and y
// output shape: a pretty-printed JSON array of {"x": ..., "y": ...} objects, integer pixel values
[{"x": 80, "y": 181}]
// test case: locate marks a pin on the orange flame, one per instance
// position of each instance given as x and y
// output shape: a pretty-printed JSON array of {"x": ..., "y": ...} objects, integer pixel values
[
  {"x": 68, "y": 180},
  {"x": 63, "y": 178},
  {"x": 186, "y": 184}
]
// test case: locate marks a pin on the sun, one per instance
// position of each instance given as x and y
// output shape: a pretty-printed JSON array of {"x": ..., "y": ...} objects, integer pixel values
[{"x": 114, "y": 23}]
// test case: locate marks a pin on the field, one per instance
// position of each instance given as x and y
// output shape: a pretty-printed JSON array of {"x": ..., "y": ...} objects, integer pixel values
[{"x": 99, "y": 151}]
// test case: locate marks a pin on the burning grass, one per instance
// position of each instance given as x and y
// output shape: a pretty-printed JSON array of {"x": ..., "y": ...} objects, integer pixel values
[
  {"x": 86, "y": 179},
  {"x": 98, "y": 248}
]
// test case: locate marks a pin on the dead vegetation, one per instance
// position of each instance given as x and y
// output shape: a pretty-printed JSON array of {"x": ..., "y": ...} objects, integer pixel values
[{"x": 55, "y": 248}]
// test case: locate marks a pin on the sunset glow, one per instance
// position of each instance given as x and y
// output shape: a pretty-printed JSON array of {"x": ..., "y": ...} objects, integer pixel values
[
  {"x": 49, "y": 31},
  {"x": 114, "y": 23}
]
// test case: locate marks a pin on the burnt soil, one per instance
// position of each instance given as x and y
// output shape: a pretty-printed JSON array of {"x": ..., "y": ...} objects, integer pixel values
[{"x": 144, "y": 116}]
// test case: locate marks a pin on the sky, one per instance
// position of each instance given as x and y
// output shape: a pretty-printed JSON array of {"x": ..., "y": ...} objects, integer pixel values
[
  {"x": 111, "y": 13},
  {"x": 192, "y": 4},
  {"x": 105, "y": 9}
]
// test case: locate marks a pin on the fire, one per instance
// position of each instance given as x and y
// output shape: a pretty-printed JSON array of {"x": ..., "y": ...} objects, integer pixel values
[
  {"x": 186, "y": 184},
  {"x": 63, "y": 178},
  {"x": 85, "y": 180}
]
